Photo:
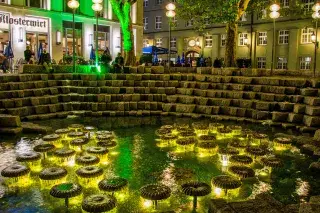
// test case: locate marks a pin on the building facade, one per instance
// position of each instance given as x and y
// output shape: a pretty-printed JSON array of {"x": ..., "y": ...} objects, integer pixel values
[
  {"x": 294, "y": 49},
  {"x": 48, "y": 23}
]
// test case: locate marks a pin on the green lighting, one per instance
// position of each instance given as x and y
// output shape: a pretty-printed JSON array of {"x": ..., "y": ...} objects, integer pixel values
[{"x": 98, "y": 69}]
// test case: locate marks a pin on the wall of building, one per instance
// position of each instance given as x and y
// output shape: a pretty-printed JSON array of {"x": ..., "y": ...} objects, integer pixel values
[
  {"x": 291, "y": 51},
  {"x": 55, "y": 18}
]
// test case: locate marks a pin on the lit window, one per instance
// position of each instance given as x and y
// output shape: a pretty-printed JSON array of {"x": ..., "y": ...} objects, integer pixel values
[
  {"x": 283, "y": 36},
  {"x": 145, "y": 43},
  {"x": 145, "y": 23},
  {"x": 262, "y": 14},
  {"x": 261, "y": 62},
  {"x": 243, "y": 17},
  {"x": 145, "y": 3},
  {"x": 284, "y": 3},
  {"x": 262, "y": 38},
  {"x": 282, "y": 63},
  {"x": 159, "y": 42},
  {"x": 306, "y": 35},
  {"x": 34, "y": 3},
  {"x": 173, "y": 42},
  {"x": 242, "y": 38},
  {"x": 305, "y": 63},
  {"x": 189, "y": 23},
  {"x": 208, "y": 40},
  {"x": 158, "y": 22},
  {"x": 308, "y": 4},
  {"x": 158, "y": 2},
  {"x": 223, "y": 40}
]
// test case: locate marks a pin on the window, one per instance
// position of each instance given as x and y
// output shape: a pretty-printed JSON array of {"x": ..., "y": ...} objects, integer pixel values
[
  {"x": 262, "y": 38},
  {"x": 261, "y": 62},
  {"x": 206, "y": 21},
  {"x": 208, "y": 41},
  {"x": 158, "y": 2},
  {"x": 306, "y": 35},
  {"x": 159, "y": 42},
  {"x": 284, "y": 3},
  {"x": 223, "y": 40},
  {"x": 145, "y": 43},
  {"x": 189, "y": 23},
  {"x": 283, "y": 36},
  {"x": 262, "y": 14},
  {"x": 243, "y": 17},
  {"x": 4, "y": 1},
  {"x": 37, "y": 3},
  {"x": 145, "y": 3},
  {"x": 282, "y": 63},
  {"x": 173, "y": 42},
  {"x": 308, "y": 4},
  {"x": 305, "y": 63},
  {"x": 145, "y": 23},
  {"x": 158, "y": 22},
  {"x": 242, "y": 38}
]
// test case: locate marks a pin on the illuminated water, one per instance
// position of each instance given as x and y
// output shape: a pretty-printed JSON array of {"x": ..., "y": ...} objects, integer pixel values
[{"x": 138, "y": 159}]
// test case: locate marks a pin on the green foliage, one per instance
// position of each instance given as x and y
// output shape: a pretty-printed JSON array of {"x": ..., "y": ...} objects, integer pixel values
[{"x": 105, "y": 59}]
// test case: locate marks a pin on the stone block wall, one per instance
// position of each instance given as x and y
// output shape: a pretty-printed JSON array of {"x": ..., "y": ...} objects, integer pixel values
[{"x": 287, "y": 101}]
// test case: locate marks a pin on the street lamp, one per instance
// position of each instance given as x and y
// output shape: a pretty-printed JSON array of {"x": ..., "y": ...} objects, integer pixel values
[
  {"x": 170, "y": 14},
  {"x": 97, "y": 7},
  {"x": 314, "y": 36},
  {"x": 274, "y": 14},
  {"x": 73, "y": 4}
]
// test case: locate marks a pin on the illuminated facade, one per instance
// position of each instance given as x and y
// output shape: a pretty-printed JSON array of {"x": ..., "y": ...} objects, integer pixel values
[
  {"x": 294, "y": 47},
  {"x": 49, "y": 23}
]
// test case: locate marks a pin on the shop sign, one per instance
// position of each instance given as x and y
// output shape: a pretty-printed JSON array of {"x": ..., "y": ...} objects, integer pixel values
[{"x": 34, "y": 24}]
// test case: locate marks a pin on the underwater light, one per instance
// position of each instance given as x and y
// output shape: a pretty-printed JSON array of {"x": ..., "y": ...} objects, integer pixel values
[
  {"x": 147, "y": 203},
  {"x": 218, "y": 191}
]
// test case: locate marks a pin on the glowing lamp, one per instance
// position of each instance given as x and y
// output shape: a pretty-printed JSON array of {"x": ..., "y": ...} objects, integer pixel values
[
  {"x": 313, "y": 37},
  {"x": 224, "y": 160},
  {"x": 73, "y": 4},
  {"x": 147, "y": 203},
  {"x": 58, "y": 37},
  {"x": 20, "y": 34},
  {"x": 171, "y": 6},
  {"x": 90, "y": 40},
  {"x": 274, "y": 7},
  {"x": 170, "y": 14},
  {"x": 218, "y": 192},
  {"x": 97, "y": 7},
  {"x": 198, "y": 42},
  {"x": 97, "y": 1},
  {"x": 274, "y": 15},
  {"x": 316, "y": 7},
  {"x": 315, "y": 15}
]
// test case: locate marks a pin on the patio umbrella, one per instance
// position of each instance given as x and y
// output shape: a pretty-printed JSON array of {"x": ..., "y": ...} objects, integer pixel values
[
  {"x": 178, "y": 59},
  {"x": 40, "y": 51},
  {"x": 8, "y": 53},
  {"x": 92, "y": 54},
  {"x": 155, "y": 58},
  {"x": 183, "y": 60}
]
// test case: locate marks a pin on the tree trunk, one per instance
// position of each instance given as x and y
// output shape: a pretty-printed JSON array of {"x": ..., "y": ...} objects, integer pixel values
[
  {"x": 231, "y": 44},
  {"x": 129, "y": 54}
]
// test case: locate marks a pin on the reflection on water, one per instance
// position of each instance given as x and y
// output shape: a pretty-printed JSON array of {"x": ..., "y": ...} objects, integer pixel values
[{"x": 138, "y": 159}]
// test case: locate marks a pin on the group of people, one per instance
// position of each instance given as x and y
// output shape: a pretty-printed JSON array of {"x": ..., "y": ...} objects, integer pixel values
[{"x": 195, "y": 62}]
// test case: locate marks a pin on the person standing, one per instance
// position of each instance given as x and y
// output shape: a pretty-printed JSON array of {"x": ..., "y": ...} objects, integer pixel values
[
  {"x": 45, "y": 60},
  {"x": 3, "y": 63},
  {"x": 27, "y": 55},
  {"x": 119, "y": 63}
]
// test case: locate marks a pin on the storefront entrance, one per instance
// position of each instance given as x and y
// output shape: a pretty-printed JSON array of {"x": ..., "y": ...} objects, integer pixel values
[
  {"x": 34, "y": 39},
  {"x": 68, "y": 38},
  {"x": 4, "y": 39},
  {"x": 103, "y": 38}
]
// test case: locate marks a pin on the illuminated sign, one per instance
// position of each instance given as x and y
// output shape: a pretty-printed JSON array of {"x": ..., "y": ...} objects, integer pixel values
[{"x": 6, "y": 19}]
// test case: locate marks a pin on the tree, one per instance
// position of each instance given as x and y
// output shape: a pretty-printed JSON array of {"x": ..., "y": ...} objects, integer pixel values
[
  {"x": 122, "y": 9},
  {"x": 217, "y": 11}
]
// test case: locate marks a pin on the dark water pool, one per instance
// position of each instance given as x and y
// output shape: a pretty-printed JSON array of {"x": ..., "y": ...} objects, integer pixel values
[{"x": 138, "y": 159}]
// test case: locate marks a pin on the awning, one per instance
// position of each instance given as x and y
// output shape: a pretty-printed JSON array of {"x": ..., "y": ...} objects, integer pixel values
[{"x": 157, "y": 50}]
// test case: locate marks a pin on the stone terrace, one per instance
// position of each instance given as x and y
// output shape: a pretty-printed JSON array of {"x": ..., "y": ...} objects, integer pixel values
[{"x": 287, "y": 101}]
